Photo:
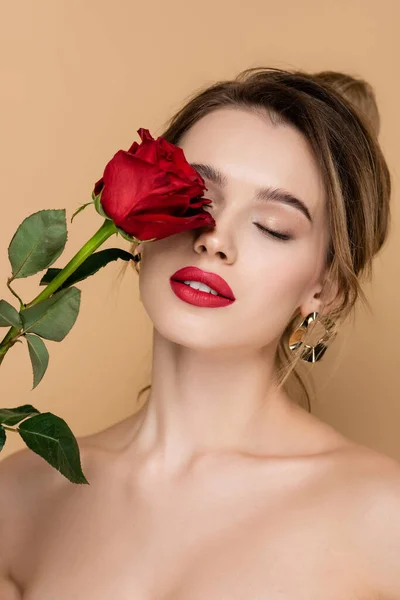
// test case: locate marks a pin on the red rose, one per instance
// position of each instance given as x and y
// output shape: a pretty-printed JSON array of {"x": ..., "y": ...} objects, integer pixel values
[{"x": 151, "y": 191}]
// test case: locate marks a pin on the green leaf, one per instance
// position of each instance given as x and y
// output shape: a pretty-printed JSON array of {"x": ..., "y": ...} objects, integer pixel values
[
  {"x": 12, "y": 416},
  {"x": 38, "y": 242},
  {"x": 39, "y": 357},
  {"x": 51, "y": 438},
  {"x": 2, "y": 437},
  {"x": 80, "y": 209},
  {"x": 9, "y": 315},
  {"x": 54, "y": 317},
  {"x": 90, "y": 266}
]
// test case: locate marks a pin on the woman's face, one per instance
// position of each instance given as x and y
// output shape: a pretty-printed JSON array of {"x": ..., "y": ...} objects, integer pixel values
[{"x": 272, "y": 279}]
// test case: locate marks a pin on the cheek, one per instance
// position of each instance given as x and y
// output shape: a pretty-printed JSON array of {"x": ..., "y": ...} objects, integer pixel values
[
  {"x": 284, "y": 270},
  {"x": 158, "y": 260},
  {"x": 284, "y": 279},
  {"x": 276, "y": 287}
]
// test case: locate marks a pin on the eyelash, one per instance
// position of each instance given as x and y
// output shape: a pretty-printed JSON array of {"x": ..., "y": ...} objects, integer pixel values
[{"x": 280, "y": 236}]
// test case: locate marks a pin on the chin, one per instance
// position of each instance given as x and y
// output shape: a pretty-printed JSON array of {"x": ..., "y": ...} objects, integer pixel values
[{"x": 176, "y": 333}]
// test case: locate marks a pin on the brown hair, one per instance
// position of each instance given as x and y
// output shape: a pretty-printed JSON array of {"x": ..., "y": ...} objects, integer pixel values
[{"x": 338, "y": 115}]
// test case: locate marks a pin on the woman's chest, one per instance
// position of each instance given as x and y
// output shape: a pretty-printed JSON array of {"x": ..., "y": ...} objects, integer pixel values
[{"x": 289, "y": 546}]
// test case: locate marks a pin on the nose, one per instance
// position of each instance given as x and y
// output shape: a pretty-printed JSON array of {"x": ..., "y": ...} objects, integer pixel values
[{"x": 215, "y": 241}]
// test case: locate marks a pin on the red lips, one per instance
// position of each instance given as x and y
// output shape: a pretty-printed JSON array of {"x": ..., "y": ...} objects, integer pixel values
[{"x": 215, "y": 282}]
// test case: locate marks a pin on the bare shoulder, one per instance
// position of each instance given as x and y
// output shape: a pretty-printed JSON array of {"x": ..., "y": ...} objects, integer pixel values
[
  {"x": 373, "y": 482},
  {"x": 373, "y": 476},
  {"x": 29, "y": 486},
  {"x": 28, "y": 483},
  {"x": 26, "y": 478},
  {"x": 17, "y": 473},
  {"x": 374, "y": 472}
]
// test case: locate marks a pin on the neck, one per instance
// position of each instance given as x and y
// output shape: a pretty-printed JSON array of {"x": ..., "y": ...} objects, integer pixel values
[{"x": 210, "y": 401}]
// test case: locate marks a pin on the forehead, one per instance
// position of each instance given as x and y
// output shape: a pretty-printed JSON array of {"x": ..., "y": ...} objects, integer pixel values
[{"x": 252, "y": 151}]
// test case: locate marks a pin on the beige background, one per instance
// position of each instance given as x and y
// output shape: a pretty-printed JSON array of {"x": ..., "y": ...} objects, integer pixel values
[{"x": 78, "y": 78}]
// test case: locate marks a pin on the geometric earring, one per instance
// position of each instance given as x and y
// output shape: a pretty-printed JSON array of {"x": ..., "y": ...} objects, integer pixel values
[{"x": 312, "y": 353}]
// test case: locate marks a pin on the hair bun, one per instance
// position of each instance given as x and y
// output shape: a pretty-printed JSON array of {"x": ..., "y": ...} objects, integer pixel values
[{"x": 356, "y": 90}]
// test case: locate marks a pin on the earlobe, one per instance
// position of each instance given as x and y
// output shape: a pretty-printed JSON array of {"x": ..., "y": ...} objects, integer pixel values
[{"x": 314, "y": 303}]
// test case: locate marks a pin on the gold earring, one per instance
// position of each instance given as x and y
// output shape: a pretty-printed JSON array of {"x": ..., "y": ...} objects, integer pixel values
[{"x": 313, "y": 353}]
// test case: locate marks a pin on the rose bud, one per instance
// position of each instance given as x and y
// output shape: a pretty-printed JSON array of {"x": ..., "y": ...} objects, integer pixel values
[{"x": 151, "y": 192}]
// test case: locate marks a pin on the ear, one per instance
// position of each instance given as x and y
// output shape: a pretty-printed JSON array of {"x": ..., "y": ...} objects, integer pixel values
[{"x": 324, "y": 297}]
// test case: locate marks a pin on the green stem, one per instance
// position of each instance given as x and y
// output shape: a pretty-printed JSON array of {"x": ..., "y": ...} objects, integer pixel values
[
  {"x": 106, "y": 230},
  {"x": 2, "y": 355},
  {"x": 21, "y": 304},
  {"x": 5, "y": 343},
  {"x": 9, "y": 428}
]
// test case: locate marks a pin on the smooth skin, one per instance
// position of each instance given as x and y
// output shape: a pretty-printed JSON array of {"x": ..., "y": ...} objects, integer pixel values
[{"x": 220, "y": 486}]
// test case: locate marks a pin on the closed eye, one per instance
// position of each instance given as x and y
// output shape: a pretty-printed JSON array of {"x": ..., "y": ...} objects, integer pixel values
[{"x": 276, "y": 234}]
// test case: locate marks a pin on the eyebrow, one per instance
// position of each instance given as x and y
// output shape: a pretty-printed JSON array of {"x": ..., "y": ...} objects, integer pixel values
[{"x": 268, "y": 193}]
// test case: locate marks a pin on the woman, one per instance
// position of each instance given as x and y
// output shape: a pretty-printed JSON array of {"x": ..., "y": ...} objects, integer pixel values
[{"x": 222, "y": 486}]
